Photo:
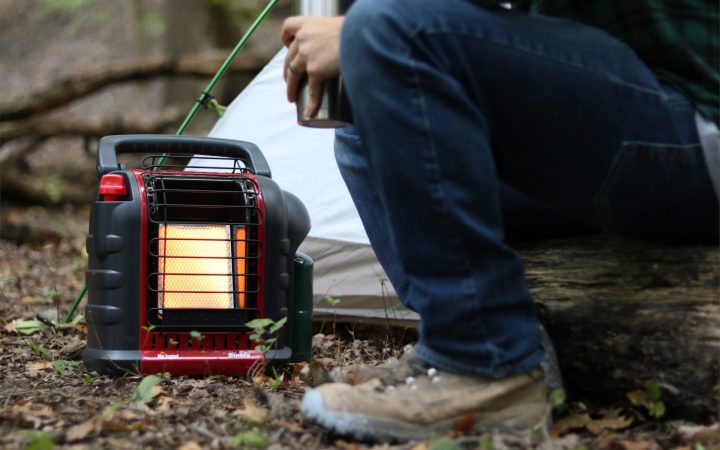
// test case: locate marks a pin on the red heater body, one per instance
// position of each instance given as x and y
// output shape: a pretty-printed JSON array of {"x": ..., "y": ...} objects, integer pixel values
[{"x": 181, "y": 258}]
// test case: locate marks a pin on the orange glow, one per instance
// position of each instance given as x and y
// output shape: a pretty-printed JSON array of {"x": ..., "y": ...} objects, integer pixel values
[
  {"x": 240, "y": 265},
  {"x": 205, "y": 279}
]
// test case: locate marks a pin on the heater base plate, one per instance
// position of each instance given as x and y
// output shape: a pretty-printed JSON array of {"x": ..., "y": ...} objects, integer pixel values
[{"x": 196, "y": 363}]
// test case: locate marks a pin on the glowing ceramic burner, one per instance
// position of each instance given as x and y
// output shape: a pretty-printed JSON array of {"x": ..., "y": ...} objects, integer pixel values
[
  {"x": 240, "y": 265},
  {"x": 195, "y": 266}
]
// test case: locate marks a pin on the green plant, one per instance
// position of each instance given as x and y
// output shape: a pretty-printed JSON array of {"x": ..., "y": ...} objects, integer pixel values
[
  {"x": 332, "y": 301},
  {"x": 110, "y": 410},
  {"x": 558, "y": 397},
  {"x": 40, "y": 351},
  {"x": 277, "y": 380},
  {"x": 650, "y": 399},
  {"x": 265, "y": 332},
  {"x": 250, "y": 439},
  {"x": 486, "y": 443},
  {"x": 28, "y": 327},
  {"x": 40, "y": 441},
  {"x": 445, "y": 444},
  {"x": 197, "y": 336},
  {"x": 64, "y": 365},
  {"x": 144, "y": 391},
  {"x": 219, "y": 109}
]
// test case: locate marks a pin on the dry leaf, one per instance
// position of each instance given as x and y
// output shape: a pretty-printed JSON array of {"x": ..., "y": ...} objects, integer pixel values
[
  {"x": 612, "y": 420},
  {"x": 11, "y": 327},
  {"x": 81, "y": 431},
  {"x": 37, "y": 415},
  {"x": 305, "y": 439},
  {"x": 708, "y": 436},
  {"x": 164, "y": 403},
  {"x": 567, "y": 442},
  {"x": 343, "y": 445},
  {"x": 116, "y": 425},
  {"x": 633, "y": 445},
  {"x": 36, "y": 366},
  {"x": 421, "y": 446},
  {"x": 252, "y": 412},
  {"x": 129, "y": 415},
  {"x": 190, "y": 445},
  {"x": 27, "y": 300},
  {"x": 465, "y": 424},
  {"x": 156, "y": 390}
]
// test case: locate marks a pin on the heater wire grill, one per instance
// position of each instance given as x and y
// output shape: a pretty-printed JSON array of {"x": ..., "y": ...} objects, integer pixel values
[
  {"x": 204, "y": 249},
  {"x": 196, "y": 163}
]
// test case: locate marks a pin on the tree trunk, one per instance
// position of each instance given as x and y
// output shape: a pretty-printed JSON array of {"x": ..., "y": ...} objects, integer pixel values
[{"x": 622, "y": 312}]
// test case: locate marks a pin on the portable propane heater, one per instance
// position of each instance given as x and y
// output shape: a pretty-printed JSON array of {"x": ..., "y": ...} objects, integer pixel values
[{"x": 181, "y": 258}]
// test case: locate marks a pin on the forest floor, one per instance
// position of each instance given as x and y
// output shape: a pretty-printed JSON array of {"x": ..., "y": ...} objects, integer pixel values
[{"x": 49, "y": 400}]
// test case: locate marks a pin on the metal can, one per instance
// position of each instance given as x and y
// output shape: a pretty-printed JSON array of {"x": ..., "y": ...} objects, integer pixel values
[{"x": 334, "y": 109}]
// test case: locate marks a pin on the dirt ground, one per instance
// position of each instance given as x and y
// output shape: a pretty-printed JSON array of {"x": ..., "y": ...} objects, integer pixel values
[{"x": 47, "y": 397}]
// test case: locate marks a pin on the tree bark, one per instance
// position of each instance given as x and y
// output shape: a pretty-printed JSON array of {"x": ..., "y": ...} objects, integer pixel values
[
  {"x": 79, "y": 85},
  {"x": 622, "y": 312}
]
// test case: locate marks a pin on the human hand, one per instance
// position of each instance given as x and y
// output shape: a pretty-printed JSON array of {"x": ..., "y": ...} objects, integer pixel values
[{"x": 313, "y": 50}]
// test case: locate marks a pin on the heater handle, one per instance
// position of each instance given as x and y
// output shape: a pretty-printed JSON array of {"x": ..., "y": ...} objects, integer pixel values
[{"x": 110, "y": 146}]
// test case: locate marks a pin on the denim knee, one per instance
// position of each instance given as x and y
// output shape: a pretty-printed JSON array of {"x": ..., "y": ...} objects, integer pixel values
[{"x": 368, "y": 24}]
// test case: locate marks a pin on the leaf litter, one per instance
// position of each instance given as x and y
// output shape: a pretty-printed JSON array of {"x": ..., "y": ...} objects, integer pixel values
[{"x": 49, "y": 400}]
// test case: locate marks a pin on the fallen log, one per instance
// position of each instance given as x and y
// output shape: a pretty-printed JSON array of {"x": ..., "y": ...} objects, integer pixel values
[
  {"x": 65, "y": 90},
  {"x": 622, "y": 312},
  {"x": 42, "y": 127}
]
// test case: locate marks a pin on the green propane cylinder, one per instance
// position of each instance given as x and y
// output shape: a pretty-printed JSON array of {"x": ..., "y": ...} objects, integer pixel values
[{"x": 302, "y": 308}]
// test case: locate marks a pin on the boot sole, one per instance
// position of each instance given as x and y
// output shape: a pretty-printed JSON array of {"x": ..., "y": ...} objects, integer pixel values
[{"x": 364, "y": 428}]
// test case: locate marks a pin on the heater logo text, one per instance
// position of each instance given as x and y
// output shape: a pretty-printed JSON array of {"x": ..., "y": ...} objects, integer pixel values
[
  {"x": 168, "y": 355},
  {"x": 239, "y": 355}
]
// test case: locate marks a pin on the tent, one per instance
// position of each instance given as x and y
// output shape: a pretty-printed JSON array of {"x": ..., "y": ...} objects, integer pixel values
[{"x": 302, "y": 162}]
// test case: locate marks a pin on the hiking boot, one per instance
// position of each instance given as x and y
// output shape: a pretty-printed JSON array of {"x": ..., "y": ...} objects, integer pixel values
[
  {"x": 427, "y": 403},
  {"x": 360, "y": 373}
]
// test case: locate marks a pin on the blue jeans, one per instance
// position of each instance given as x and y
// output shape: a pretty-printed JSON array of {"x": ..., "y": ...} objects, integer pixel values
[{"x": 459, "y": 109}]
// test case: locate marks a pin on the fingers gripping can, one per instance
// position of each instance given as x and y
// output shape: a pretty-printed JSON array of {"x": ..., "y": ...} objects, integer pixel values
[{"x": 334, "y": 110}]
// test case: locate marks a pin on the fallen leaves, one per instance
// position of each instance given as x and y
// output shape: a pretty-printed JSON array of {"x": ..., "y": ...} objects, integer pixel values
[
  {"x": 633, "y": 445},
  {"x": 707, "y": 436},
  {"x": 84, "y": 430},
  {"x": 252, "y": 413},
  {"x": 190, "y": 445},
  {"x": 649, "y": 399},
  {"x": 28, "y": 413},
  {"x": 147, "y": 389},
  {"x": 608, "y": 420},
  {"x": 25, "y": 327},
  {"x": 33, "y": 367}
]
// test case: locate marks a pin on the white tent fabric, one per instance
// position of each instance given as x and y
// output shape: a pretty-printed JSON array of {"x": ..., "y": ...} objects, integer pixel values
[{"x": 302, "y": 162}]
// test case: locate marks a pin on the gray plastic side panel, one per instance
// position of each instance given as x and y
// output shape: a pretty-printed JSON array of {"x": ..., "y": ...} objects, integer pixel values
[{"x": 113, "y": 280}]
